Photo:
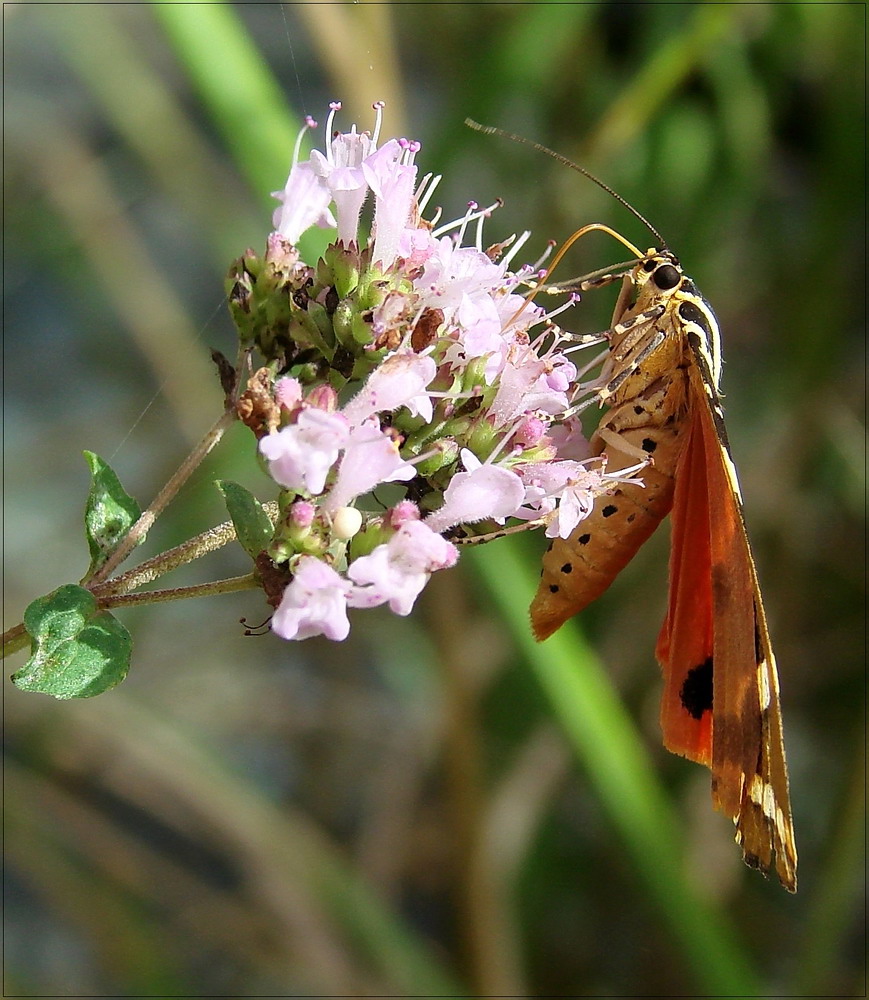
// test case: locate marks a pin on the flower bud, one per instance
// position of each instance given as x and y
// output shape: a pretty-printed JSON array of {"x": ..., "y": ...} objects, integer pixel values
[
  {"x": 404, "y": 510},
  {"x": 342, "y": 321},
  {"x": 346, "y": 522},
  {"x": 483, "y": 438},
  {"x": 323, "y": 397},
  {"x": 529, "y": 432}
]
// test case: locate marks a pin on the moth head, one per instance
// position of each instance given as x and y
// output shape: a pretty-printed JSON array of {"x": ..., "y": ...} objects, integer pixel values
[{"x": 657, "y": 275}]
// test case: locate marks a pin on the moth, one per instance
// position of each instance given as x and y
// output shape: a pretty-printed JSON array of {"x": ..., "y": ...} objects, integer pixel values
[
  {"x": 721, "y": 704},
  {"x": 661, "y": 385}
]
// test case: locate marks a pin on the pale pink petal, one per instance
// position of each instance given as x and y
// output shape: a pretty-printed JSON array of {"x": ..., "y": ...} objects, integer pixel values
[
  {"x": 301, "y": 455},
  {"x": 305, "y": 203},
  {"x": 371, "y": 457},
  {"x": 399, "y": 381},
  {"x": 314, "y": 603},
  {"x": 487, "y": 491}
]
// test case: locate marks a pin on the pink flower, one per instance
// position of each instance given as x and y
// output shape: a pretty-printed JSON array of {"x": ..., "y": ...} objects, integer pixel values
[
  {"x": 453, "y": 271},
  {"x": 544, "y": 483},
  {"x": 391, "y": 175},
  {"x": 569, "y": 440},
  {"x": 397, "y": 571},
  {"x": 543, "y": 397},
  {"x": 404, "y": 510},
  {"x": 314, "y": 603},
  {"x": 398, "y": 381},
  {"x": 575, "y": 488},
  {"x": 514, "y": 386},
  {"x": 530, "y": 432},
  {"x": 481, "y": 326},
  {"x": 341, "y": 170},
  {"x": 561, "y": 372},
  {"x": 305, "y": 203},
  {"x": 576, "y": 502},
  {"x": 301, "y": 455},
  {"x": 288, "y": 392},
  {"x": 415, "y": 246},
  {"x": 370, "y": 457},
  {"x": 483, "y": 491}
]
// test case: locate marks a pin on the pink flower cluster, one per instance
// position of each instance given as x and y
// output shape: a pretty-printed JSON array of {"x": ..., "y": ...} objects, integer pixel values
[{"x": 481, "y": 413}]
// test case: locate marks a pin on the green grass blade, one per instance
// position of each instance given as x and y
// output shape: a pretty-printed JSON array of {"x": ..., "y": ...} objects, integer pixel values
[{"x": 242, "y": 95}]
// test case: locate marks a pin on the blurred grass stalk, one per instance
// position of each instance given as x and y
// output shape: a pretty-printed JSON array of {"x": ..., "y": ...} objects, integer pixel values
[
  {"x": 294, "y": 884},
  {"x": 612, "y": 752}
]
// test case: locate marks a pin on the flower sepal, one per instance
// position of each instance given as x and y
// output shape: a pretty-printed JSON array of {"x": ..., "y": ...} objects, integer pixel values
[
  {"x": 311, "y": 328},
  {"x": 443, "y": 453},
  {"x": 344, "y": 265},
  {"x": 373, "y": 533}
]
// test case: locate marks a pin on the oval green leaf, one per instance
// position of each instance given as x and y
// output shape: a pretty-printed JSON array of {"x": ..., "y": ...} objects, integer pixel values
[{"x": 77, "y": 649}]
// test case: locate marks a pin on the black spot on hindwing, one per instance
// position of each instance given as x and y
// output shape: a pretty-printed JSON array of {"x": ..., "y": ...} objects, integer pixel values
[{"x": 696, "y": 693}]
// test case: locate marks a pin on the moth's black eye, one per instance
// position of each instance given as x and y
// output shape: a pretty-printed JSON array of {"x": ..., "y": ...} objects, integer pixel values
[
  {"x": 666, "y": 277},
  {"x": 650, "y": 264}
]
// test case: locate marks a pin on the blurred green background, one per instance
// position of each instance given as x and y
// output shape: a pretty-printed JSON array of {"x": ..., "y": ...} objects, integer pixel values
[{"x": 436, "y": 806}]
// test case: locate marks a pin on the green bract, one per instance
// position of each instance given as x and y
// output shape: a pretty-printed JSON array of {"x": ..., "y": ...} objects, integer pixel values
[
  {"x": 252, "y": 525},
  {"x": 109, "y": 514}
]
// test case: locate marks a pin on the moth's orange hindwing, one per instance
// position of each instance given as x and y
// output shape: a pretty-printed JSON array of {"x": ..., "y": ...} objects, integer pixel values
[{"x": 721, "y": 699}]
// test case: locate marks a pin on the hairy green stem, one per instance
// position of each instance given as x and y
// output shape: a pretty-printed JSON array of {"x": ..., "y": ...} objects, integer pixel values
[
  {"x": 194, "y": 548},
  {"x": 115, "y": 593},
  {"x": 228, "y": 586},
  {"x": 14, "y": 639}
]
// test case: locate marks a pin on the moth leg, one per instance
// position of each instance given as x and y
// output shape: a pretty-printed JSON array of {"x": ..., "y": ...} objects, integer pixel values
[
  {"x": 617, "y": 442},
  {"x": 595, "y": 279},
  {"x": 615, "y": 383},
  {"x": 491, "y": 536},
  {"x": 628, "y": 333}
]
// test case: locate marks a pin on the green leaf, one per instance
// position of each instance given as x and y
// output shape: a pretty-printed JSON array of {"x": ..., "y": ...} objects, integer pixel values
[
  {"x": 77, "y": 650},
  {"x": 109, "y": 514},
  {"x": 252, "y": 524}
]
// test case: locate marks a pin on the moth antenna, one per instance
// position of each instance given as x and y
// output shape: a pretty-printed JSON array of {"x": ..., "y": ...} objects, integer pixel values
[{"x": 492, "y": 130}]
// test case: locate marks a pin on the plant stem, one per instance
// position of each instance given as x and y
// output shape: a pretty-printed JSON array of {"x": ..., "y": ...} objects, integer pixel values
[
  {"x": 231, "y": 584},
  {"x": 116, "y": 593},
  {"x": 14, "y": 639},
  {"x": 200, "y": 545},
  {"x": 160, "y": 502},
  {"x": 17, "y": 638}
]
